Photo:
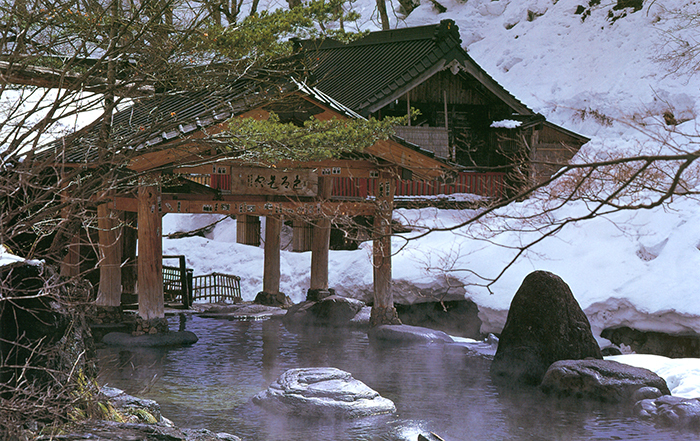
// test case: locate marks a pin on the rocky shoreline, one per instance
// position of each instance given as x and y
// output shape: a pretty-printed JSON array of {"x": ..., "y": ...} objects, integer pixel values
[{"x": 136, "y": 419}]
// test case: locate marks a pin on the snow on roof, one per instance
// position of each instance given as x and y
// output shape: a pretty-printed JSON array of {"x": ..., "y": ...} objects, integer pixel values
[{"x": 506, "y": 124}]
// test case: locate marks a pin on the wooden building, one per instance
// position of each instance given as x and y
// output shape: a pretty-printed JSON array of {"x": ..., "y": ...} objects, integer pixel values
[
  {"x": 388, "y": 72},
  {"x": 166, "y": 144},
  {"x": 169, "y": 144}
]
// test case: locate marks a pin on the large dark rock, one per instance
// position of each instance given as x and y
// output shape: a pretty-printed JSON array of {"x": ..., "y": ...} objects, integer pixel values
[
  {"x": 330, "y": 311},
  {"x": 322, "y": 391},
  {"x": 600, "y": 380},
  {"x": 669, "y": 411},
  {"x": 545, "y": 324}
]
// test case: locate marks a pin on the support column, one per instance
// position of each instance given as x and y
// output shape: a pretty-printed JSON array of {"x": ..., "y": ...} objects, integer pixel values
[
  {"x": 383, "y": 311},
  {"x": 110, "y": 289},
  {"x": 70, "y": 266},
  {"x": 129, "y": 266},
  {"x": 320, "y": 245},
  {"x": 302, "y": 235},
  {"x": 271, "y": 275},
  {"x": 150, "y": 250},
  {"x": 271, "y": 294},
  {"x": 248, "y": 229}
]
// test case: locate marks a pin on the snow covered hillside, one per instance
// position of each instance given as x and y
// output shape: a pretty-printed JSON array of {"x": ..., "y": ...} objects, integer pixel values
[{"x": 573, "y": 63}]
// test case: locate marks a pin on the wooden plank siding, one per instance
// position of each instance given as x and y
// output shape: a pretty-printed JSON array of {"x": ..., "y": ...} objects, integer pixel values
[{"x": 490, "y": 185}]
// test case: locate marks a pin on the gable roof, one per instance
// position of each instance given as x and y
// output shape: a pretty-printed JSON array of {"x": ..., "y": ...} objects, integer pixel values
[{"x": 369, "y": 73}]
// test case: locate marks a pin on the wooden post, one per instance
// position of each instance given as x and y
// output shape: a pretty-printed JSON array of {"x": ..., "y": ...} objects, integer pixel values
[
  {"x": 383, "y": 311},
  {"x": 129, "y": 270},
  {"x": 271, "y": 275},
  {"x": 109, "y": 228},
  {"x": 302, "y": 235},
  {"x": 320, "y": 245},
  {"x": 150, "y": 260},
  {"x": 185, "y": 292},
  {"x": 248, "y": 229},
  {"x": 70, "y": 266}
]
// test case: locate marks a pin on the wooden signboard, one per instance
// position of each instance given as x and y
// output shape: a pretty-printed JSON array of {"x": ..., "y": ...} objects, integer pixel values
[{"x": 270, "y": 181}]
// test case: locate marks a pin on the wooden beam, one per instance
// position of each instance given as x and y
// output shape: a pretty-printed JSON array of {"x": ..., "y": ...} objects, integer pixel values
[
  {"x": 271, "y": 270},
  {"x": 251, "y": 206},
  {"x": 150, "y": 260},
  {"x": 109, "y": 232},
  {"x": 420, "y": 164},
  {"x": 176, "y": 151},
  {"x": 344, "y": 168}
]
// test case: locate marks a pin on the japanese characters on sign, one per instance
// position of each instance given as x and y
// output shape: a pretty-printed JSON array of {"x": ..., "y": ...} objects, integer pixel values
[
  {"x": 252, "y": 208},
  {"x": 250, "y": 180}
]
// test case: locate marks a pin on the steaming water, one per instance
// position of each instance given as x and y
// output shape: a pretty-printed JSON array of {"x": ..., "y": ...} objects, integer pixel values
[{"x": 437, "y": 388}]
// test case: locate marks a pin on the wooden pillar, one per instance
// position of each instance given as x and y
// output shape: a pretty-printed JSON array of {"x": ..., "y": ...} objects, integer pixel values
[
  {"x": 70, "y": 266},
  {"x": 109, "y": 228},
  {"x": 383, "y": 311},
  {"x": 150, "y": 246},
  {"x": 248, "y": 229},
  {"x": 302, "y": 235},
  {"x": 320, "y": 245},
  {"x": 271, "y": 275},
  {"x": 129, "y": 237}
]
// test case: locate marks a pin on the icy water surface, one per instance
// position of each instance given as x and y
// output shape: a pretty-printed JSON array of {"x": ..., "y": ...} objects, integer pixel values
[{"x": 440, "y": 388}]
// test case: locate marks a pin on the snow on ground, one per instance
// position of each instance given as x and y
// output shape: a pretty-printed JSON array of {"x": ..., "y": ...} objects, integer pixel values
[{"x": 682, "y": 375}]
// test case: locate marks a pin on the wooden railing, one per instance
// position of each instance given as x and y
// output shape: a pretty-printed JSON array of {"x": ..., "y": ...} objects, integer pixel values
[
  {"x": 179, "y": 284},
  {"x": 490, "y": 185},
  {"x": 216, "y": 287}
]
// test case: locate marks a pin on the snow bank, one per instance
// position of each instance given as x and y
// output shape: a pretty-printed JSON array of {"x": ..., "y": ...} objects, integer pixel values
[{"x": 682, "y": 375}]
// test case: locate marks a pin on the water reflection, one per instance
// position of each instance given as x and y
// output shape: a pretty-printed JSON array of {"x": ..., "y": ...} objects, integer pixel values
[{"x": 441, "y": 389}]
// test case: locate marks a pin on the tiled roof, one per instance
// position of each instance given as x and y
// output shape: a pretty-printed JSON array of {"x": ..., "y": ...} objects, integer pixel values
[
  {"x": 152, "y": 121},
  {"x": 368, "y": 73}
]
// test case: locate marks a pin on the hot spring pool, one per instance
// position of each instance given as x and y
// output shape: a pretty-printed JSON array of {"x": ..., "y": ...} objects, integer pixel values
[{"x": 444, "y": 389}]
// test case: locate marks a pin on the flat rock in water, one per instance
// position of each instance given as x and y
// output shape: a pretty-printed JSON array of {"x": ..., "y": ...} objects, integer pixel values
[
  {"x": 180, "y": 338},
  {"x": 602, "y": 380},
  {"x": 322, "y": 391},
  {"x": 398, "y": 334},
  {"x": 330, "y": 311},
  {"x": 121, "y": 400},
  {"x": 670, "y": 411},
  {"x": 244, "y": 312}
]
